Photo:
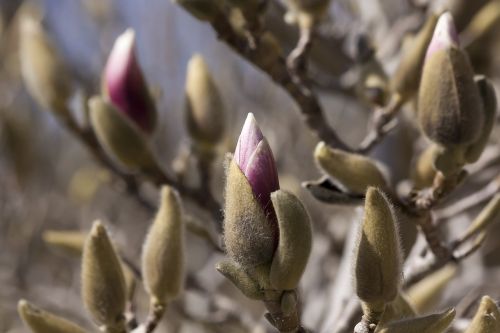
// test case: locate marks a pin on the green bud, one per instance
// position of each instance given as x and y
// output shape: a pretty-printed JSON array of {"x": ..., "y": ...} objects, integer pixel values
[
  {"x": 406, "y": 78},
  {"x": 435, "y": 323},
  {"x": 103, "y": 283},
  {"x": 353, "y": 171},
  {"x": 426, "y": 294},
  {"x": 295, "y": 238},
  {"x": 119, "y": 136},
  {"x": 240, "y": 278},
  {"x": 70, "y": 242},
  {"x": 377, "y": 258},
  {"x": 203, "y": 10},
  {"x": 204, "y": 107},
  {"x": 488, "y": 97},
  {"x": 42, "y": 69},
  {"x": 249, "y": 235},
  {"x": 40, "y": 321},
  {"x": 486, "y": 319},
  {"x": 450, "y": 107},
  {"x": 163, "y": 252}
]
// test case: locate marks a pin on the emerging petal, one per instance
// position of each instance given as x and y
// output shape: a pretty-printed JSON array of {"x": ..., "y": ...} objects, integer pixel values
[
  {"x": 249, "y": 138},
  {"x": 445, "y": 35}
]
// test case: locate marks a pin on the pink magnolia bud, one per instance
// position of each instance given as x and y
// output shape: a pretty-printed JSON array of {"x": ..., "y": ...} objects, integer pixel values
[
  {"x": 255, "y": 159},
  {"x": 445, "y": 35},
  {"x": 124, "y": 83}
]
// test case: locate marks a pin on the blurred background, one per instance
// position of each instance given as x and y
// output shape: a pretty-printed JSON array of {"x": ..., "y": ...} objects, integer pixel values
[{"x": 48, "y": 181}]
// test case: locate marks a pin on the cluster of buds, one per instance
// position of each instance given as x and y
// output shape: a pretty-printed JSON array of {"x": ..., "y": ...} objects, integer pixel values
[
  {"x": 456, "y": 109},
  {"x": 267, "y": 231}
]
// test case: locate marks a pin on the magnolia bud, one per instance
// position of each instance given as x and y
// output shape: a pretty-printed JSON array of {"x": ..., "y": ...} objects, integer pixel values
[
  {"x": 450, "y": 107},
  {"x": 295, "y": 238},
  {"x": 40, "y": 321},
  {"x": 488, "y": 97},
  {"x": 103, "y": 283},
  {"x": 204, "y": 10},
  {"x": 42, "y": 69},
  {"x": 250, "y": 228},
  {"x": 406, "y": 78},
  {"x": 435, "y": 323},
  {"x": 204, "y": 107},
  {"x": 399, "y": 308},
  {"x": 353, "y": 171},
  {"x": 119, "y": 136},
  {"x": 70, "y": 242},
  {"x": 125, "y": 86},
  {"x": 449, "y": 160},
  {"x": 377, "y": 259},
  {"x": 486, "y": 319},
  {"x": 163, "y": 252},
  {"x": 426, "y": 294},
  {"x": 241, "y": 279},
  {"x": 424, "y": 171}
]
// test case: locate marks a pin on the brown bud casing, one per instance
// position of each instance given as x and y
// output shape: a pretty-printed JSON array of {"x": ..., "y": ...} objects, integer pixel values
[
  {"x": 240, "y": 278},
  {"x": 355, "y": 172},
  {"x": 486, "y": 319},
  {"x": 103, "y": 283},
  {"x": 398, "y": 309},
  {"x": 295, "y": 239},
  {"x": 203, "y": 10},
  {"x": 163, "y": 252},
  {"x": 40, "y": 321}
]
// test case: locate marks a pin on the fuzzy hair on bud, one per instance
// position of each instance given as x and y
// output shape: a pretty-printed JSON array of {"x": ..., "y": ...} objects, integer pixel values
[
  {"x": 43, "y": 71},
  {"x": 426, "y": 294},
  {"x": 450, "y": 107},
  {"x": 406, "y": 78},
  {"x": 240, "y": 278},
  {"x": 435, "y": 323},
  {"x": 487, "y": 92},
  {"x": 486, "y": 319},
  {"x": 103, "y": 283},
  {"x": 203, "y": 10},
  {"x": 163, "y": 252},
  {"x": 353, "y": 171},
  {"x": 449, "y": 160},
  {"x": 204, "y": 107},
  {"x": 377, "y": 258},
  {"x": 70, "y": 242},
  {"x": 295, "y": 239},
  {"x": 250, "y": 237},
  {"x": 40, "y": 321},
  {"x": 401, "y": 307},
  {"x": 121, "y": 139}
]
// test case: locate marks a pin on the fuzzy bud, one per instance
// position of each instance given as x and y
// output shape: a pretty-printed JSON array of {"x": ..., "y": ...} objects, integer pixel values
[
  {"x": 103, "y": 283},
  {"x": 353, "y": 171},
  {"x": 435, "y": 323},
  {"x": 486, "y": 319},
  {"x": 377, "y": 259},
  {"x": 406, "y": 78},
  {"x": 125, "y": 86},
  {"x": 399, "y": 308},
  {"x": 119, "y": 136},
  {"x": 43, "y": 71},
  {"x": 163, "y": 252},
  {"x": 204, "y": 107},
  {"x": 203, "y": 10},
  {"x": 295, "y": 238},
  {"x": 450, "y": 107},
  {"x": 250, "y": 228},
  {"x": 424, "y": 171},
  {"x": 40, "y": 321},
  {"x": 241, "y": 279}
]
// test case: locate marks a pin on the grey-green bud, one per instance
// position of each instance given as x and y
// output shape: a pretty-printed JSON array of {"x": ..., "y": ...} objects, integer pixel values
[{"x": 40, "y": 321}]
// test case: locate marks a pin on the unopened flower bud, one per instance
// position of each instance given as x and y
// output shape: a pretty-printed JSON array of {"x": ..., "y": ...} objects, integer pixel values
[
  {"x": 43, "y": 71},
  {"x": 450, "y": 107},
  {"x": 406, "y": 78},
  {"x": 401, "y": 307},
  {"x": 240, "y": 278},
  {"x": 377, "y": 259},
  {"x": 435, "y": 323},
  {"x": 163, "y": 252},
  {"x": 486, "y": 319},
  {"x": 125, "y": 86},
  {"x": 40, "y": 321},
  {"x": 424, "y": 171},
  {"x": 250, "y": 227},
  {"x": 121, "y": 139},
  {"x": 204, "y": 107},
  {"x": 353, "y": 171},
  {"x": 295, "y": 239},
  {"x": 103, "y": 283},
  {"x": 204, "y": 10}
]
